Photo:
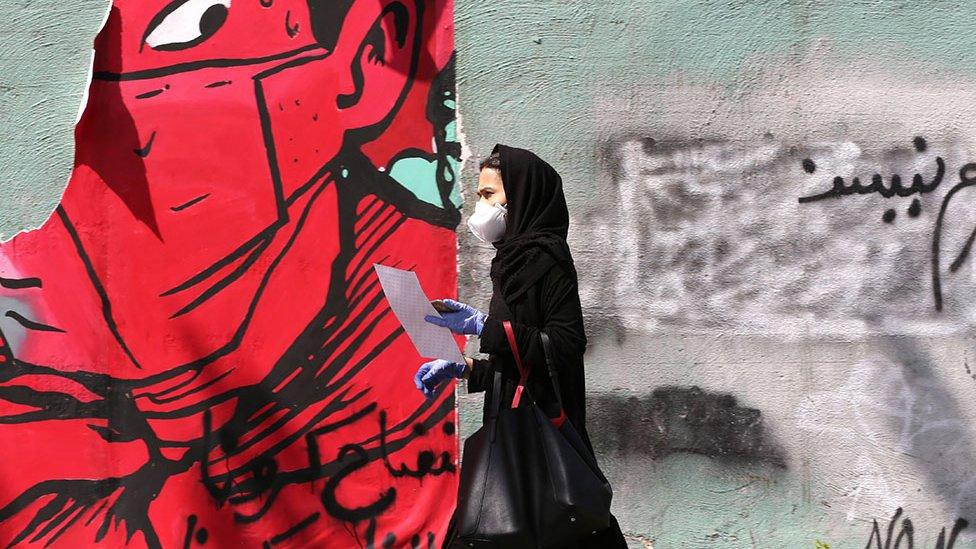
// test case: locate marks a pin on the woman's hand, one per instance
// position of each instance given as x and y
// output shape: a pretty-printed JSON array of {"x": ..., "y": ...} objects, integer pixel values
[
  {"x": 461, "y": 319},
  {"x": 431, "y": 374}
]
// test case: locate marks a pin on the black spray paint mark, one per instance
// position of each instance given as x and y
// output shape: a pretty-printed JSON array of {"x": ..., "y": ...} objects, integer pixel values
[
  {"x": 149, "y": 94},
  {"x": 969, "y": 371},
  {"x": 189, "y": 203},
  {"x": 290, "y": 29},
  {"x": 294, "y": 530},
  {"x": 425, "y": 459},
  {"x": 905, "y": 538},
  {"x": 30, "y": 324},
  {"x": 192, "y": 533},
  {"x": 355, "y": 514},
  {"x": 19, "y": 283},
  {"x": 895, "y": 188},
  {"x": 144, "y": 151},
  {"x": 915, "y": 209},
  {"x": 681, "y": 419},
  {"x": 967, "y": 178}
]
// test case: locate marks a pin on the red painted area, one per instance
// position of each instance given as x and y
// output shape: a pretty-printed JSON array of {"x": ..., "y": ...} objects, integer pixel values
[{"x": 196, "y": 351}]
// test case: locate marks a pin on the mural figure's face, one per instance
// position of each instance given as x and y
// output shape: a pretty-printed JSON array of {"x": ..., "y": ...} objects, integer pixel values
[
  {"x": 491, "y": 190},
  {"x": 208, "y": 122}
]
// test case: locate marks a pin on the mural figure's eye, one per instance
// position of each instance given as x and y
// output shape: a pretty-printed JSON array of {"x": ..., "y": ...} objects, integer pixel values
[{"x": 185, "y": 23}]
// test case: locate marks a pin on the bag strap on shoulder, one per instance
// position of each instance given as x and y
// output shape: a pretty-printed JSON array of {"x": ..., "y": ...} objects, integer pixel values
[{"x": 525, "y": 370}]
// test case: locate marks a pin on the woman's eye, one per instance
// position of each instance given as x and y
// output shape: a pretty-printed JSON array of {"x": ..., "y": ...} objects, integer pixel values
[{"x": 185, "y": 23}]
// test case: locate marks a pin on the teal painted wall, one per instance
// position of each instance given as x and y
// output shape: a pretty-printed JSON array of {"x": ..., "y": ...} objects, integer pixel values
[
  {"x": 762, "y": 373},
  {"x": 45, "y": 53}
]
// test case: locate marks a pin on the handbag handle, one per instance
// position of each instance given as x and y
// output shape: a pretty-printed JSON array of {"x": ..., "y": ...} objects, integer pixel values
[
  {"x": 551, "y": 365},
  {"x": 524, "y": 371},
  {"x": 496, "y": 396}
]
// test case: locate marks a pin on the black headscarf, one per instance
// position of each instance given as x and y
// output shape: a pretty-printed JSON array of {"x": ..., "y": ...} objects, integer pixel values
[{"x": 536, "y": 223}]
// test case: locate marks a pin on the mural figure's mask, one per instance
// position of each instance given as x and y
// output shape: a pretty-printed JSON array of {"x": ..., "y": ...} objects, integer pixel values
[{"x": 206, "y": 127}]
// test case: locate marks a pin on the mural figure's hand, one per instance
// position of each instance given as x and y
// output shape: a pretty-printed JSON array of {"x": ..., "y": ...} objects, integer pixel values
[
  {"x": 462, "y": 319},
  {"x": 431, "y": 374}
]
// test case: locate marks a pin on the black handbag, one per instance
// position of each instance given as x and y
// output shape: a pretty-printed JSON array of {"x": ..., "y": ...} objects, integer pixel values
[{"x": 528, "y": 481}]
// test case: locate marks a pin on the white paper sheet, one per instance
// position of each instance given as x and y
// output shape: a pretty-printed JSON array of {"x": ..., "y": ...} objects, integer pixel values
[{"x": 410, "y": 306}]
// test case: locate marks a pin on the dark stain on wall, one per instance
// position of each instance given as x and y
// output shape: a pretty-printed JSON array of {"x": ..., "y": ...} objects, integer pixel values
[{"x": 680, "y": 419}]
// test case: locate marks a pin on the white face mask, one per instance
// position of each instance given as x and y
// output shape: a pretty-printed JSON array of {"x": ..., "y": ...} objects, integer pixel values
[{"x": 488, "y": 222}]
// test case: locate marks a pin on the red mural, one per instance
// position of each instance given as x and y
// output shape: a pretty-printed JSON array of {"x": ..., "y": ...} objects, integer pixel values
[{"x": 194, "y": 349}]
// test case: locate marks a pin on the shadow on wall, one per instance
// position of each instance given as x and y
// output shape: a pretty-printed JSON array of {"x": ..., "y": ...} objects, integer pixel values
[
  {"x": 931, "y": 427},
  {"x": 682, "y": 419}
]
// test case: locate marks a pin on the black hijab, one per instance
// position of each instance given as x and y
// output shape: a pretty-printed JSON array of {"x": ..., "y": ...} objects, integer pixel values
[{"x": 536, "y": 224}]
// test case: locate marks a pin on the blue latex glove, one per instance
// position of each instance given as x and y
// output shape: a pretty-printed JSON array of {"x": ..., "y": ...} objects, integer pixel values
[
  {"x": 431, "y": 374},
  {"x": 464, "y": 319}
]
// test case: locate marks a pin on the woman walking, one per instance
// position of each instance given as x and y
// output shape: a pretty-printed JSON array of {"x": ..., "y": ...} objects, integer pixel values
[{"x": 522, "y": 211}]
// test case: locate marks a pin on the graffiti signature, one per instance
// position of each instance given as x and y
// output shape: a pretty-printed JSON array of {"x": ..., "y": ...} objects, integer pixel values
[
  {"x": 266, "y": 480},
  {"x": 967, "y": 178},
  {"x": 918, "y": 186},
  {"x": 907, "y": 532}
]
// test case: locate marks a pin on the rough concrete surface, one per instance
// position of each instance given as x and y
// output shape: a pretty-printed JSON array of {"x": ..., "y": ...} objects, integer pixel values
[{"x": 763, "y": 372}]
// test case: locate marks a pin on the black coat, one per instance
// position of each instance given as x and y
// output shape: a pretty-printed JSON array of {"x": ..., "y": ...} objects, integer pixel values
[
  {"x": 551, "y": 305},
  {"x": 535, "y": 288}
]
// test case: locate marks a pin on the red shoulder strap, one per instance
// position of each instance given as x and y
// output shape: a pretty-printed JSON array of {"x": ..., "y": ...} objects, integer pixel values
[{"x": 523, "y": 370}]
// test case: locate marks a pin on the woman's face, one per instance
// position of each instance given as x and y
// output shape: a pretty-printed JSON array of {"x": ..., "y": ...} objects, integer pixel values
[{"x": 490, "y": 187}]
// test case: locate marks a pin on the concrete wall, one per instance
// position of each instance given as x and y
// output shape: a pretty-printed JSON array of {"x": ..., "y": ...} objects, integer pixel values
[
  {"x": 45, "y": 53},
  {"x": 763, "y": 372}
]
